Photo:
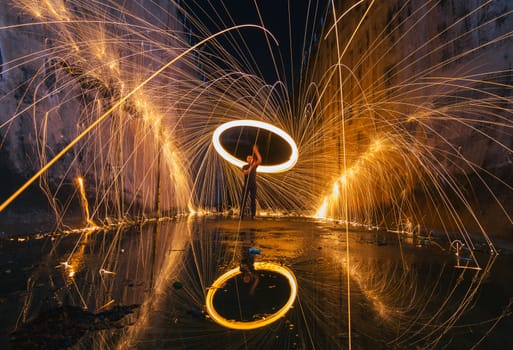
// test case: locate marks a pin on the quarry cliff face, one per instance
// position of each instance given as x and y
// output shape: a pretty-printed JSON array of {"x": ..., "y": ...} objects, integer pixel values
[
  {"x": 420, "y": 61},
  {"x": 57, "y": 78},
  {"x": 23, "y": 57},
  {"x": 432, "y": 82}
]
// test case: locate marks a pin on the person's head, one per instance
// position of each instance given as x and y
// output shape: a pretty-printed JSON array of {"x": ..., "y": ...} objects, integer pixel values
[
  {"x": 246, "y": 271},
  {"x": 246, "y": 277},
  {"x": 249, "y": 159}
]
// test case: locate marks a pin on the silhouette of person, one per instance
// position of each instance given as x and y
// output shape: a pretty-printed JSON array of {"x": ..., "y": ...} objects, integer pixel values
[{"x": 250, "y": 181}]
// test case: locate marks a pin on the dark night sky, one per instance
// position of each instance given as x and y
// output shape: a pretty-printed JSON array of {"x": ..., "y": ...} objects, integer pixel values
[{"x": 275, "y": 16}]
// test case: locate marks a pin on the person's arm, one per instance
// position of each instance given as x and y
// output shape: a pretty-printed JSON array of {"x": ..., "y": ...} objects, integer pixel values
[
  {"x": 256, "y": 156},
  {"x": 256, "y": 279}
]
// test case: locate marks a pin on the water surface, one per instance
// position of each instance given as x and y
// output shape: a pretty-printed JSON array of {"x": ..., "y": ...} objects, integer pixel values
[{"x": 144, "y": 287}]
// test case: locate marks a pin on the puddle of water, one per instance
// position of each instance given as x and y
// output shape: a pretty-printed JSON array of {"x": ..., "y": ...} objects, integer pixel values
[{"x": 401, "y": 295}]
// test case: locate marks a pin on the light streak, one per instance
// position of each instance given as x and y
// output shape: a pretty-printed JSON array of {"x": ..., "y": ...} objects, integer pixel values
[
  {"x": 240, "y": 325},
  {"x": 122, "y": 100},
  {"x": 85, "y": 203},
  {"x": 277, "y": 168}
]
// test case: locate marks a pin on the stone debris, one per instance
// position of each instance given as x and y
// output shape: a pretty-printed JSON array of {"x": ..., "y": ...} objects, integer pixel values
[{"x": 63, "y": 327}]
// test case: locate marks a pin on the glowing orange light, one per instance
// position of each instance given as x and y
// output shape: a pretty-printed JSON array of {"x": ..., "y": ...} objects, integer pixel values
[
  {"x": 85, "y": 204},
  {"x": 278, "y": 168},
  {"x": 323, "y": 210},
  {"x": 267, "y": 266},
  {"x": 70, "y": 269}
]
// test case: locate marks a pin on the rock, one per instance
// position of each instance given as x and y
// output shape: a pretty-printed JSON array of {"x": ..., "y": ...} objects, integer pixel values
[{"x": 64, "y": 326}]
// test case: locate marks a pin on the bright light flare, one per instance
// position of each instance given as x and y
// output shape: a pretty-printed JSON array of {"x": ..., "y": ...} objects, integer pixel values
[
  {"x": 267, "y": 266},
  {"x": 69, "y": 268},
  {"x": 278, "y": 168}
]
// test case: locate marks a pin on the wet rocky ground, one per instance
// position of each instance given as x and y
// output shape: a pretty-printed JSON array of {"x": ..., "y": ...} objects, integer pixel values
[{"x": 144, "y": 287}]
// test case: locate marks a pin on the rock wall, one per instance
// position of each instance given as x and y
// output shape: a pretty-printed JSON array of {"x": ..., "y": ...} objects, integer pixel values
[
  {"x": 64, "y": 65},
  {"x": 433, "y": 80}
]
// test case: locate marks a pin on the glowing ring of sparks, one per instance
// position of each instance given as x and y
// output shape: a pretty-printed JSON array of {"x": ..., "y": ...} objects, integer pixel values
[
  {"x": 294, "y": 154},
  {"x": 267, "y": 266}
]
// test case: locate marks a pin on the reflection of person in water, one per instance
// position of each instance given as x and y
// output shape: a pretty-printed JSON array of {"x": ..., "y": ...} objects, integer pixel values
[{"x": 249, "y": 275}]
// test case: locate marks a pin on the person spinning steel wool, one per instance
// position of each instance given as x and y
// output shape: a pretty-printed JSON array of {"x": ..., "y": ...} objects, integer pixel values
[{"x": 250, "y": 181}]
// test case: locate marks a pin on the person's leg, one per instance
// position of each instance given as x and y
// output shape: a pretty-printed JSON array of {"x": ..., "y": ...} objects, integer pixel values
[
  {"x": 244, "y": 196},
  {"x": 252, "y": 194}
]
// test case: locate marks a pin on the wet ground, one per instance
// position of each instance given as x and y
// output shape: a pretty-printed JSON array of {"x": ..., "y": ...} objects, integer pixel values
[{"x": 144, "y": 286}]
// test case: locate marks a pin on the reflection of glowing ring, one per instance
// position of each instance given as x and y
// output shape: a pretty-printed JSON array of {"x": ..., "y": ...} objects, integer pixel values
[
  {"x": 219, "y": 283},
  {"x": 257, "y": 124}
]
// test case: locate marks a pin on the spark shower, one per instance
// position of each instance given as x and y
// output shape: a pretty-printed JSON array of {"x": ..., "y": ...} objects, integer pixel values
[
  {"x": 389, "y": 113},
  {"x": 128, "y": 99}
]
